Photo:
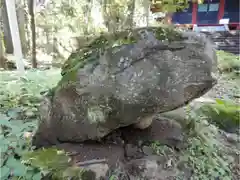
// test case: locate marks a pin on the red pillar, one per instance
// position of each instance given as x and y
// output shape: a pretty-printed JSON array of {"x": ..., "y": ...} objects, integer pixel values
[
  {"x": 221, "y": 9},
  {"x": 194, "y": 13}
]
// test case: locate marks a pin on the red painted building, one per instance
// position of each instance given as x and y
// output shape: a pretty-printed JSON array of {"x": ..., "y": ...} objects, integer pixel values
[{"x": 209, "y": 13}]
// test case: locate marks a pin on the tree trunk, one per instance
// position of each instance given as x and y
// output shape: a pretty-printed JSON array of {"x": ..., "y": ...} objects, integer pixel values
[
  {"x": 13, "y": 24},
  {"x": 2, "y": 51},
  {"x": 27, "y": 26},
  {"x": 129, "y": 19},
  {"x": 146, "y": 5},
  {"x": 109, "y": 16},
  {"x": 33, "y": 29},
  {"x": 141, "y": 13},
  {"x": 87, "y": 16},
  {"x": 168, "y": 19},
  {"x": 105, "y": 14},
  {"x": 6, "y": 29},
  {"x": 21, "y": 24}
]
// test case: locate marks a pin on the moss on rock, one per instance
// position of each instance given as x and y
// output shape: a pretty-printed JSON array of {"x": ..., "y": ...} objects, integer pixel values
[{"x": 92, "y": 51}]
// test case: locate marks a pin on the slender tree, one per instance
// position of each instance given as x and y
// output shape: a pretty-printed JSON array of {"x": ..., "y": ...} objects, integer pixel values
[
  {"x": 130, "y": 9},
  {"x": 6, "y": 29},
  {"x": 2, "y": 50},
  {"x": 12, "y": 16},
  {"x": 31, "y": 7}
]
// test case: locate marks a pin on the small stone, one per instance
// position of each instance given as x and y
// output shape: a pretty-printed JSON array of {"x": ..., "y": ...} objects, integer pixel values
[
  {"x": 99, "y": 170},
  {"x": 29, "y": 113},
  {"x": 169, "y": 163},
  {"x": 147, "y": 150},
  {"x": 148, "y": 169},
  {"x": 27, "y": 135},
  {"x": 184, "y": 169},
  {"x": 132, "y": 151},
  {"x": 232, "y": 138},
  {"x": 172, "y": 132},
  {"x": 144, "y": 123}
]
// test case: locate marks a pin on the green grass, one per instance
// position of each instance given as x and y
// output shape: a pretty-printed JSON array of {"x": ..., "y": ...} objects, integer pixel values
[
  {"x": 228, "y": 63},
  {"x": 224, "y": 114},
  {"x": 19, "y": 100}
]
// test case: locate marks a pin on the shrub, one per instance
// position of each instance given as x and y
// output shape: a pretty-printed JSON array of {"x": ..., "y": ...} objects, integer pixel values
[
  {"x": 228, "y": 62},
  {"x": 224, "y": 114}
]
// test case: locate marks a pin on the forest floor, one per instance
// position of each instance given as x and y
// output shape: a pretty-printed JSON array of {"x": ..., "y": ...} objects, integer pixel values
[{"x": 181, "y": 144}]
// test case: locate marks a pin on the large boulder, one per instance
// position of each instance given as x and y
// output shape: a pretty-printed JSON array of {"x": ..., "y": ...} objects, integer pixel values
[{"x": 125, "y": 78}]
